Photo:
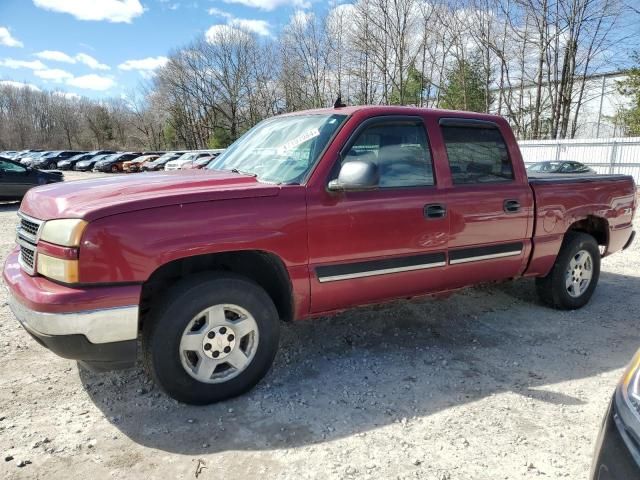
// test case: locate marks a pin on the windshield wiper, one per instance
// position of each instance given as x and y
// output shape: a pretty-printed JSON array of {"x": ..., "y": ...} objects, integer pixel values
[{"x": 235, "y": 170}]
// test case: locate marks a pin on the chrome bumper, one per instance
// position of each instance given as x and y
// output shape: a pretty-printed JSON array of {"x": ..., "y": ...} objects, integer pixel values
[{"x": 98, "y": 326}]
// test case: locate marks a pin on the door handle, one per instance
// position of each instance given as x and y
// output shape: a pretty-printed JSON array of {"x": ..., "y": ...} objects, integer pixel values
[
  {"x": 511, "y": 206},
  {"x": 435, "y": 210}
]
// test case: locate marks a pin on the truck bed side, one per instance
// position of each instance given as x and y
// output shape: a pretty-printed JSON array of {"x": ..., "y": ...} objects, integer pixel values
[{"x": 602, "y": 205}]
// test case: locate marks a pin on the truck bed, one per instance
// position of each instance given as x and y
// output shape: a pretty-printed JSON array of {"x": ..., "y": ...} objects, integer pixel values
[
  {"x": 546, "y": 178},
  {"x": 565, "y": 200}
]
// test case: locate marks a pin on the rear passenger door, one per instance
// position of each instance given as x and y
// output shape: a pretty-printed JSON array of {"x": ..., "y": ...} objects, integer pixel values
[{"x": 490, "y": 203}]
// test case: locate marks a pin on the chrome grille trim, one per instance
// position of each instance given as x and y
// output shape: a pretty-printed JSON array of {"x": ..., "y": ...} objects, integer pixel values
[
  {"x": 29, "y": 228},
  {"x": 28, "y": 234},
  {"x": 27, "y": 260}
]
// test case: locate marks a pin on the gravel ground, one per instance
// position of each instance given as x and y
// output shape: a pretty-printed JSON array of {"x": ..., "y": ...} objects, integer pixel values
[{"x": 487, "y": 384}]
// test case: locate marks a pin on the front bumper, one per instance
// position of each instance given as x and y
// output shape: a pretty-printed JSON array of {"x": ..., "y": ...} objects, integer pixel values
[
  {"x": 97, "y": 326},
  {"x": 616, "y": 456}
]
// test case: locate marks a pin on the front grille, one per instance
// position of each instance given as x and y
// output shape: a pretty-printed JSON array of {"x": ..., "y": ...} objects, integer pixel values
[
  {"x": 29, "y": 227},
  {"x": 27, "y": 238},
  {"x": 28, "y": 257}
]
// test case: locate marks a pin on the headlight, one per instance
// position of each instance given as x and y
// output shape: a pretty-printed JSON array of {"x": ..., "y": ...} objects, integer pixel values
[
  {"x": 58, "y": 269},
  {"x": 66, "y": 232}
]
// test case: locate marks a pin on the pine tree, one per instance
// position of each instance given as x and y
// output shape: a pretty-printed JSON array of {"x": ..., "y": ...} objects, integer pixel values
[
  {"x": 413, "y": 89},
  {"x": 630, "y": 117},
  {"x": 464, "y": 87}
]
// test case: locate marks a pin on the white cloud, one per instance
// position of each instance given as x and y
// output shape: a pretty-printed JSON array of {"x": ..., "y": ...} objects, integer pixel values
[
  {"x": 216, "y": 12},
  {"x": 15, "y": 64},
  {"x": 11, "y": 83},
  {"x": 54, "y": 74},
  {"x": 91, "y": 62},
  {"x": 144, "y": 64},
  {"x": 216, "y": 32},
  {"x": 300, "y": 18},
  {"x": 91, "y": 82},
  {"x": 261, "y": 27},
  {"x": 7, "y": 39},
  {"x": 271, "y": 4},
  {"x": 55, "y": 56},
  {"x": 109, "y": 10}
]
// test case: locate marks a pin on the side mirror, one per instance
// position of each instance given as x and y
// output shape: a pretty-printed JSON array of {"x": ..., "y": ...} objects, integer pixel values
[{"x": 356, "y": 175}]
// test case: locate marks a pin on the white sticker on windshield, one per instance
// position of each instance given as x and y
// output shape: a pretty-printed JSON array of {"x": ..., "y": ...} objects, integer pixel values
[{"x": 299, "y": 140}]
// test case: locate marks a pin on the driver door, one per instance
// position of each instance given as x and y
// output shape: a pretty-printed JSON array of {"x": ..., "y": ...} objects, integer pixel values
[{"x": 371, "y": 246}]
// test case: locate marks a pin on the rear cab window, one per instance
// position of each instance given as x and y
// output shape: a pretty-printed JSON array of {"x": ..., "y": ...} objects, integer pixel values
[{"x": 476, "y": 152}]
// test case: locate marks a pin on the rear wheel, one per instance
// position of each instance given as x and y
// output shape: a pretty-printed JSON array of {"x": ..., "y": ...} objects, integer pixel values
[
  {"x": 114, "y": 169},
  {"x": 212, "y": 338},
  {"x": 574, "y": 276}
]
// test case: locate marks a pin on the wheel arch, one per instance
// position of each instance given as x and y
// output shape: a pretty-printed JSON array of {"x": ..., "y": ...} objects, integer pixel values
[
  {"x": 597, "y": 227},
  {"x": 264, "y": 268}
]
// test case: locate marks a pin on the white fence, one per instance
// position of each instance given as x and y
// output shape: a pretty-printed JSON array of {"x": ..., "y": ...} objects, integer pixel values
[{"x": 604, "y": 155}]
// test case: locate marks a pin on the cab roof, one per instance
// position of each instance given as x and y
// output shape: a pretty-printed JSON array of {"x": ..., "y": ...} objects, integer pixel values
[{"x": 372, "y": 110}]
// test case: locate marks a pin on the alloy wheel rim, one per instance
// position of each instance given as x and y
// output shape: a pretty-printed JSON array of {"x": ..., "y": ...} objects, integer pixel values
[
  {"x": 579, "y": 273},
  {"x": 219, "y": 343}
]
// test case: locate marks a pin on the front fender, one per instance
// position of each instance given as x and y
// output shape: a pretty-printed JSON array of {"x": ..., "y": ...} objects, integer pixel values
[{"x": 129, "y": 247}]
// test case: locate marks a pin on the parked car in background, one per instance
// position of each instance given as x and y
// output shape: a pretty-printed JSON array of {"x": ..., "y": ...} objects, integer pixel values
[
  {"x": 161, "y": 161},
  {"x": 200, "y": 163},
  {"x": 22, "y": 153},
  {"x": 306, "y": 214},
  {"x": 113, "y": 163},
  {"x": 8, "y": 154},
  {"x": 88, "y": 164},
  {"x": 69, "y": 163},
  {"x": 562, "y": 166},
  {"x": 49, "y": 161},
  {"x": 136, "y": 164},
  {"x": 16, "y": 179},
  {"x": 617, "y": 455},
  {"x": 29, "y": 156},
  {"x": 188, "y": 158},
  {"x": 179, "y": 164}
]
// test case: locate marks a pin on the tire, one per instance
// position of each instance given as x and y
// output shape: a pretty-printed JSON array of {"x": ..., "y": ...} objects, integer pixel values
[
  {"x": 52, "y": 166},
  {"x": 554, "y": 289},
  {"x": 114, "y": 169},
  {"x": 174, "y": 367}
]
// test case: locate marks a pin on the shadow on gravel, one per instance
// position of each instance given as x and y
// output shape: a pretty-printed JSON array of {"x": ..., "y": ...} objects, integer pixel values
[{"x": 352, "y": 373}]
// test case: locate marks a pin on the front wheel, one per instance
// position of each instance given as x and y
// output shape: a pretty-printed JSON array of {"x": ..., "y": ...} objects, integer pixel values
[
  {"x": 212, "y": 338},
  {"x": 574, "y": 276},
  {"x": 114, "y": 169}
]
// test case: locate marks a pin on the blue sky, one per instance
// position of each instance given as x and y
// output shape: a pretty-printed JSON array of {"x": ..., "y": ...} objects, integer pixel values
[{"x": 104, "y": 48}]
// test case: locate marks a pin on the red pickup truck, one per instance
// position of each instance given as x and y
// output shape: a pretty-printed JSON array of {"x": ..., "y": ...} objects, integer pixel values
[{"x": 307, "y": 214}]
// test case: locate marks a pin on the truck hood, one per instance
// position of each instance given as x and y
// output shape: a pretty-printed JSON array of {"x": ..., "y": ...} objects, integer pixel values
[{"x": 100, "y": 197}]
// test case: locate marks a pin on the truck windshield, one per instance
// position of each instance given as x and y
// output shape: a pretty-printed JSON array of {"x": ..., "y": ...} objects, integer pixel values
[{"x": 280, "y": 149}]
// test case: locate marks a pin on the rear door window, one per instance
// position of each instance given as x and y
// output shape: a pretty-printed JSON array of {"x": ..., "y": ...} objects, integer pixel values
[{"x": 476, "y": 155}]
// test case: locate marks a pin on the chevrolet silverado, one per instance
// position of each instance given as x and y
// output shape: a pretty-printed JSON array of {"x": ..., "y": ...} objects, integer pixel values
[{"x": 306, "y": 214}]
